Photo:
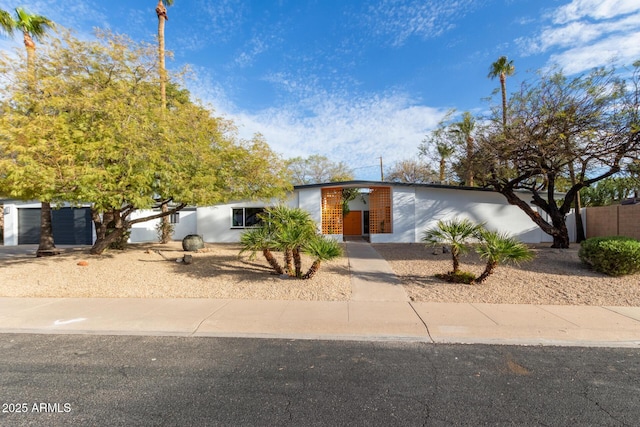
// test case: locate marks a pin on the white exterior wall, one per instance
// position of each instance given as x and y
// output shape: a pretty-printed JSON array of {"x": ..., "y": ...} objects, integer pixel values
[
  {"x": 492, "y": 209},
  {"x": 214, "y": 222},
  {"x": 146, "y": 231},
  {"x": 11, "y": 221}
]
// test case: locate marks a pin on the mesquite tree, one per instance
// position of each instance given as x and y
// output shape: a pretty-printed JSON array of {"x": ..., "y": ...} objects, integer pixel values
[
  {"x": 96, "y": 134},
  {"x": 589, "y": 124}
]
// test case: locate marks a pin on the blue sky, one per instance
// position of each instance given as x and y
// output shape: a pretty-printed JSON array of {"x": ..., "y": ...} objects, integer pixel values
[{"x": 358, "y": 80}]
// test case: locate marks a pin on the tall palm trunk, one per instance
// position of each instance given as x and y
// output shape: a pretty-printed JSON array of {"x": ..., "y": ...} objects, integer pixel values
[
  {"x": 469, "y": 166},
  {"x": 47, "y": 244},
  {"x": 161, "y": 11},
  {"x": 443, "y": 167},
  {"x": 503, "y": 89}
]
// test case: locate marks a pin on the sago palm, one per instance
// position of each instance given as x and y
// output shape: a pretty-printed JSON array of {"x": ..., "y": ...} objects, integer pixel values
[
  {"x": 456, "y": 234},
  {"x": 321, "y": 249},
  {"x": 499, "y": 248}
]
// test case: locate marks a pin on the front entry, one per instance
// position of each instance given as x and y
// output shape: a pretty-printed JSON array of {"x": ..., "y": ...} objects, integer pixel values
[{"x": 352, "y": 224}]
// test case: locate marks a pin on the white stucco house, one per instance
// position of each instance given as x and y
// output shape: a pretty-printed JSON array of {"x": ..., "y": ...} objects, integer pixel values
[{"x": 383, "y": 213}]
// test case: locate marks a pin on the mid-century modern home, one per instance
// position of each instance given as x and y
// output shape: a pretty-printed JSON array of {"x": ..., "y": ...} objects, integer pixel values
[{"x": 382, "y": 212}]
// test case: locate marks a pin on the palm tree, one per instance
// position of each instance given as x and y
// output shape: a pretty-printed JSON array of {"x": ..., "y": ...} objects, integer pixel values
[
  {"x": 6, "y": 22},
  {"x": 464, "y": 129},
  {"x": 33, "y": 27},
  {"x": 321, "y": 249},
  {"x": 502, "y": 68},
  {"x": 292, "y": 228},
  {"x": 445, "y": 151},
  {"x": 455, "y": 233},
  {"x": 498, "y": 248},
  {"x": 161, "y": 12},
  {"x": 260, "y": 239}
]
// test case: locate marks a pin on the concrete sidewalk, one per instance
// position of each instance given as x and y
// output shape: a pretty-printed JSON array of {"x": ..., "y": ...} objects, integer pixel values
[
  {"x": 347, "y": 320},
  {"x": 379, "y": 310}
]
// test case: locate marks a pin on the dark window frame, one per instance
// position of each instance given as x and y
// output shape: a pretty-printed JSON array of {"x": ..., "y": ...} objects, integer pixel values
[{"x": 246, "y": 217}]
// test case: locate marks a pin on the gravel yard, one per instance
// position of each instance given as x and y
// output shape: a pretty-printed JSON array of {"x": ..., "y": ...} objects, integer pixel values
[
  {"x": 554, "y": 277},
  {"x": 141, "y": 272}
]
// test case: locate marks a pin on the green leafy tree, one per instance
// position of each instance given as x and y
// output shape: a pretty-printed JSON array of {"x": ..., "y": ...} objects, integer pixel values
[
  {"x": 502, "y": 69},
  {"x": 95, "y": 135},
  {"x": 317, "y": 169},
  {"x": 499, "y": 248},
  {"x": 456, "y": 234},
  {"x": 411, "y": 171},
  {"x": 609, "y": 191}
]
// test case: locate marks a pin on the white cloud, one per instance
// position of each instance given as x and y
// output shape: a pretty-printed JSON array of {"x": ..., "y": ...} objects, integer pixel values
[
  {"x": 589, "y": 33},
  {"x": 397, "y": 20},
  {"x": 596, "y": 9},
  {"x": 624, "y": 49},
  {"x": 356, "y": 131}
]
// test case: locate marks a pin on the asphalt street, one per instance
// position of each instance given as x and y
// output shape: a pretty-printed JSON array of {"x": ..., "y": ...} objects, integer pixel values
[{"x": 62, "y": 380}]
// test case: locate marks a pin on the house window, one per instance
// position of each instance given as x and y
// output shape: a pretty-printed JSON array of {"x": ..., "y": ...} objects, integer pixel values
[
  {"x": 245, "y": 217},
  {"x": 174, "y": 218}
]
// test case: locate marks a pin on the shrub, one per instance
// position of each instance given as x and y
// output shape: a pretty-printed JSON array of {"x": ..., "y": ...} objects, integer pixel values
[
  {"x": 615, "y": 255},
  {"x": 459, "y": 276}
]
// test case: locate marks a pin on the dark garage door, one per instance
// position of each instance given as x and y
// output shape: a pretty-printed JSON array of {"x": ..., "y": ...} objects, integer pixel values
[{"x": 71, "y": 226}]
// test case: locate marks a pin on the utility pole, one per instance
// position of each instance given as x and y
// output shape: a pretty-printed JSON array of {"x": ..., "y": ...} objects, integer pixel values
[{"x": 381, "y": 170}]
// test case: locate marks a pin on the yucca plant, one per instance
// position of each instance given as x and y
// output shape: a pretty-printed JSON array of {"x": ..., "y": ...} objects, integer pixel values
[
  {"x": 321, "y": 249},
  {"x": 456, "y": 234},
  {"x": 499, "y": 248}
]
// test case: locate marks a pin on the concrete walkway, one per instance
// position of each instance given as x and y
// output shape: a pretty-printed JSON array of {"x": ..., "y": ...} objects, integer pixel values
[{"x": 378, "y": 310}]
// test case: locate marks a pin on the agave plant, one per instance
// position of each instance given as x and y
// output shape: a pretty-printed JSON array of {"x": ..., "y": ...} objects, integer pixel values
[
  {"x": 321, "y": 249},
  {"x": 499, "y": 248},
  {"x": 455, "y": 233}
]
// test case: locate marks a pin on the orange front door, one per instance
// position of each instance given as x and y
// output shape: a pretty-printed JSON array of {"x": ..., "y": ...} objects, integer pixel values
[{"x": 352, "y": 224}]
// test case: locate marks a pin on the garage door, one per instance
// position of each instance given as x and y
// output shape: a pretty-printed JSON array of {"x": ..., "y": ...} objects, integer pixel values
[{"x": 71, "y": 226}]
